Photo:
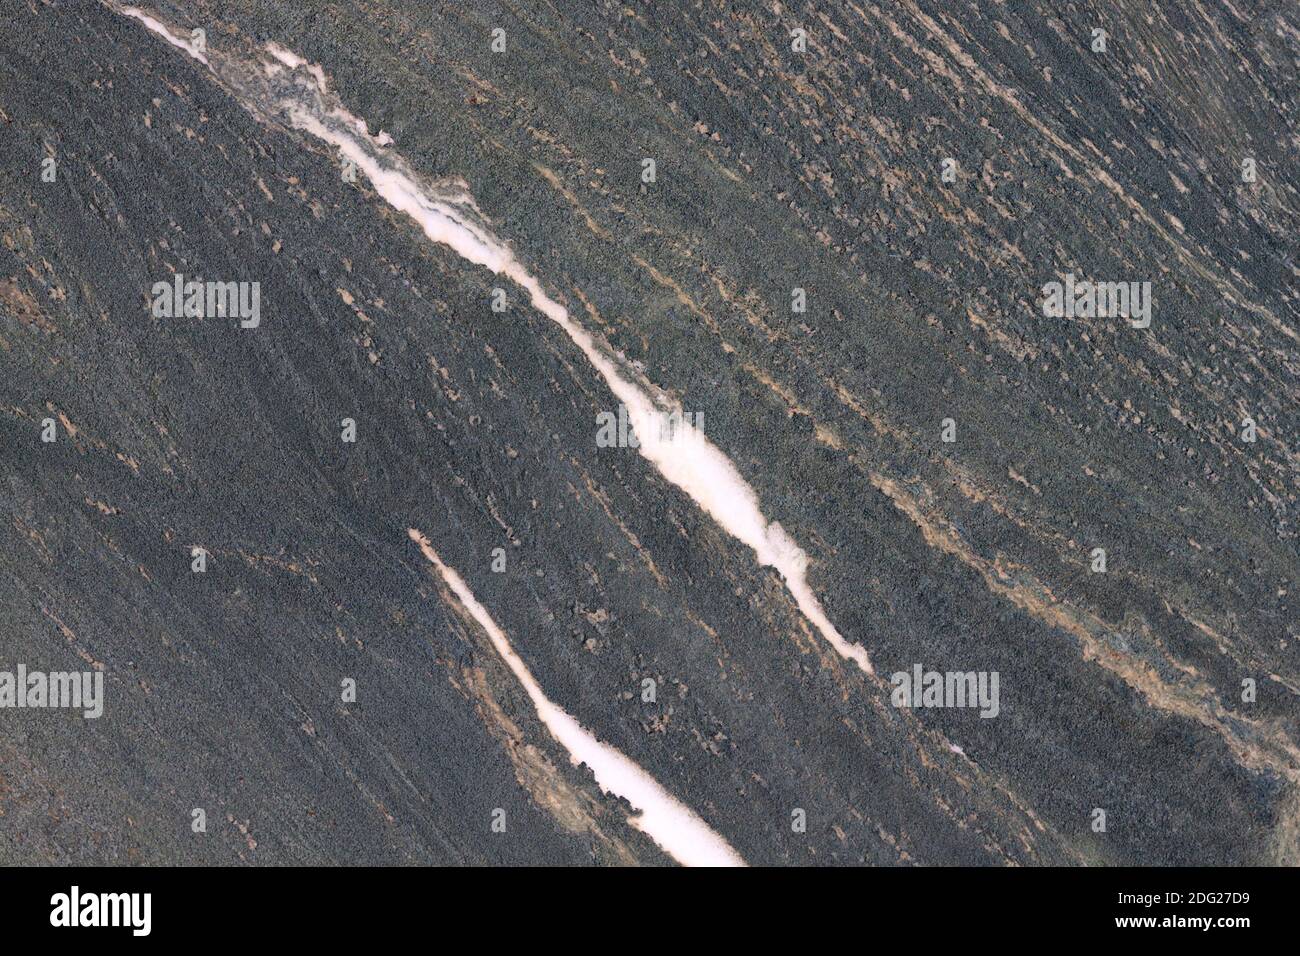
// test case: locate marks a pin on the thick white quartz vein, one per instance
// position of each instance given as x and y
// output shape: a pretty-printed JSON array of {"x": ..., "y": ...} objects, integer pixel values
[{"x": 285, "y": 85}]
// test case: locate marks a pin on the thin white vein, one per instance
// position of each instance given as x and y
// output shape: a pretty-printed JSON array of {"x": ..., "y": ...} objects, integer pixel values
[{"x": 676, "y": 828}]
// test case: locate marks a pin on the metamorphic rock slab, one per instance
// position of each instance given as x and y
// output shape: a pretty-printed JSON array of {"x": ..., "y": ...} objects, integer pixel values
[{"x": 809, "y": 433}]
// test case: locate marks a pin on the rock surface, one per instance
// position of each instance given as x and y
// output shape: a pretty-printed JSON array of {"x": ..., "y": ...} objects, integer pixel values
[{"x": 775, "y": 170}]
